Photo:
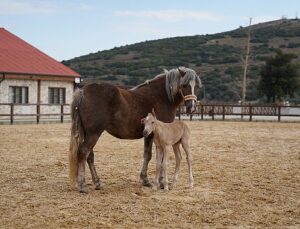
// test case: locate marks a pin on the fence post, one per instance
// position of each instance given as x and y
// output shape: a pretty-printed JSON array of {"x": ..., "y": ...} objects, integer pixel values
[
  {"x": 279, "y": 113},
  {"x": 61, "y": 113},
  {"x": 191, "y": 117},
  {"x": 250, "y": 112},
  {"x": 202, "y": 111},
  {"x": 213, "y": 112},
  {"x": 11, "y": 113},
  {"x": 38, "y": 113},
  {"x": 223, "y": 112}
]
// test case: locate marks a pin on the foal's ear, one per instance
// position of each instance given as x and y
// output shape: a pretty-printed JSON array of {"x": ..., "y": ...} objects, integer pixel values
[
  {"x": 143, "y": 120},
  {"x": 153, "y": 112}
]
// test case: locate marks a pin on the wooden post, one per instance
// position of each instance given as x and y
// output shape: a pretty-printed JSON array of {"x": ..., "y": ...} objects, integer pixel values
[
  {"x": 61, "y": 113},
  {"x": 223, "y": 112},
  {"x": 250, "y": 112},
  {"x": 279, "y": 113},
  {"x": 213, "y": 112},
  {"x": 202, "y": 111},
  {"x": 191, "y": 117},
  {"x": 11, "y": 113},
  {"x": 38, "y": 113}
]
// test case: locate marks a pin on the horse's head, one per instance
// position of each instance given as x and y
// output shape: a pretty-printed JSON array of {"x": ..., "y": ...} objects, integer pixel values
[
  {"x": 189, "y": 83},
  {"x": 149, "y": 123}
]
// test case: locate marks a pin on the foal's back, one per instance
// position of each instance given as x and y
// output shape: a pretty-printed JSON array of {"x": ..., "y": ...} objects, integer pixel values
[{"x": 172, "y": 133}]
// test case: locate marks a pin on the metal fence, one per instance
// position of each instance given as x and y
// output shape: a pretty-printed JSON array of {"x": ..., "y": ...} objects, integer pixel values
[{"x": 12, "y": 113}]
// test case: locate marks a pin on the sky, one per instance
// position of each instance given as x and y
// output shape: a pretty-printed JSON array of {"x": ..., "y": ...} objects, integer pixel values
[{"x": 65, "y": 29}]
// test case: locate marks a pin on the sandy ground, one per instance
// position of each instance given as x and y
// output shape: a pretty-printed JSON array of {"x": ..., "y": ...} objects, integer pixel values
[{"x": 246, "y": 175}]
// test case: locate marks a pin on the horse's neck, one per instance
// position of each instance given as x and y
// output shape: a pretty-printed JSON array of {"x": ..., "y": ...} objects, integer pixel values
[{"x": 157, "y": 89}]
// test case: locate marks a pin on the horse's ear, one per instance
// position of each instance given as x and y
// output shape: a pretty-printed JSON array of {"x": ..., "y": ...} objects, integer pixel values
[
  {"x": 143, "y": 120},
  {"x": 153, "y": 112},
  {"x": 182, "y": 73}
]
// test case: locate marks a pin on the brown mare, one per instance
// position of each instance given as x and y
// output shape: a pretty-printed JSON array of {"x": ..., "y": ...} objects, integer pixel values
[
  {"x": 104, "y": 107},
  {"x": 165, "y": 134}
]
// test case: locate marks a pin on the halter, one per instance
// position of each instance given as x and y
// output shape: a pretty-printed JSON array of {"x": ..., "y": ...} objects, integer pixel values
[{"x": 187, "y": 97}]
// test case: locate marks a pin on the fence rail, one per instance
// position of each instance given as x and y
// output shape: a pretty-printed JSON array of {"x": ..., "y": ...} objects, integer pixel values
[
  {"x": 242, "y": 111},
  {"x": 9, "y": 112}
]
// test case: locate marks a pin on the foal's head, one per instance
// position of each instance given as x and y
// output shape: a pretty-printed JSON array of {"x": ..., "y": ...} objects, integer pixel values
[{"x": 149, "y": 122}]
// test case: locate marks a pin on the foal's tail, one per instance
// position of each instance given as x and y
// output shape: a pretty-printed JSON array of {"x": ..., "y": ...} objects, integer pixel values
[{"x": 77, "y": 135}]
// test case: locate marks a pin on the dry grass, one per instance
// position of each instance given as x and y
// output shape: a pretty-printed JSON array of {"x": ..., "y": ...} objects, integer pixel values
[{"x": 246, "y": 175}]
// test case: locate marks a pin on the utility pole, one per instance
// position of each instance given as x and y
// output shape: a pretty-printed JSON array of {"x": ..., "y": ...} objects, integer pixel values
[{"x": 246, "y": 61}]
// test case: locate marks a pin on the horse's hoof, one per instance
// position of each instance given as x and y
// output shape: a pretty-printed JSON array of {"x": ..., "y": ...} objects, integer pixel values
[
  {"x": 83, "y": 190},
  {"x": 98, "y": 187},
  {"x": 146, "y": 184}
]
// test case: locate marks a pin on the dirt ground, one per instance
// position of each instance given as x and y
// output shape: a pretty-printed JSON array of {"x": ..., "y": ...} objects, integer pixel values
[{"x": 246, "y": 175}]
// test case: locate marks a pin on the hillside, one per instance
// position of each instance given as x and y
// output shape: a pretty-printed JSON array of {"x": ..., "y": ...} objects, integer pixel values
[{"x": 217, "y": 58}]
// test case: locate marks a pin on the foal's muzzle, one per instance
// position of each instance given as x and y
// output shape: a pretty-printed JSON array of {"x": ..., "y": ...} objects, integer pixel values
[{"x": 146, "y": 133}]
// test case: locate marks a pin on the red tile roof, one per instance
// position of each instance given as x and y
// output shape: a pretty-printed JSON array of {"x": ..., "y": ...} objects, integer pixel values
[{"x": 17, "y": 56}]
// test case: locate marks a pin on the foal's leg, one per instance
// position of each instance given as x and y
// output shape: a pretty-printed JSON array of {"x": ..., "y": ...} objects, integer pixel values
[
  {"x": 164, "y": 169},
  {"x": 186, "y": 147},
  {"x": 178, "y": 160},
  {"x": 147, "y": 157},
  {"x": 90, "y": 161},
  {"x": 159, "y": 158}
]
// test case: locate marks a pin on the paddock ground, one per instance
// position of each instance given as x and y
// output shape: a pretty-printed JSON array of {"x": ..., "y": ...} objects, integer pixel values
[{"x": 246, "y": 176}]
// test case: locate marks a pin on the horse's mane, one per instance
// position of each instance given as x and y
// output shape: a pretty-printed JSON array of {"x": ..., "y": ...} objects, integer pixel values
[{"x": 174, "y": 80}]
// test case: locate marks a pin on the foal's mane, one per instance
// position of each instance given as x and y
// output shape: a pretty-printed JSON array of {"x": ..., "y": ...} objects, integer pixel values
[{"x": 174, "y": 80}]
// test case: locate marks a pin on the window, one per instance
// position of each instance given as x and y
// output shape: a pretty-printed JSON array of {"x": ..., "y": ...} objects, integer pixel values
[
  {"x": 18, "y": 94},
  {"x": 56, "y": 95}
]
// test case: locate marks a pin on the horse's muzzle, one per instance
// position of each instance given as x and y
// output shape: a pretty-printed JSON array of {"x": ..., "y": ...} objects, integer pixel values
[{"x": 190, "y": 106}]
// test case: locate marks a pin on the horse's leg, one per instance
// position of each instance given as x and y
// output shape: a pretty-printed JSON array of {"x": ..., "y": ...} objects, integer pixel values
[
  {"x": 178, "y": 158},
  {"x": 186, "y": 147},
  {"x": 84, "y": 150},
  {"x": 90, "y": 161},
  {"x": 164, "y": 168},
  {"x": 147, "y": 157},
  {"x": 82, "y": 156},
  {"x": 159, "y": 157}
]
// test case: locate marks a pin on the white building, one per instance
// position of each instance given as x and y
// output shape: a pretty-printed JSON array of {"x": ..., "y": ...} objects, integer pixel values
[{"x": 29, "y": 77}]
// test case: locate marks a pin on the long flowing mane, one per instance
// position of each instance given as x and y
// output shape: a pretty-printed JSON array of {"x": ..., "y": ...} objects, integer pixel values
[{"x": 174, "y": 80}]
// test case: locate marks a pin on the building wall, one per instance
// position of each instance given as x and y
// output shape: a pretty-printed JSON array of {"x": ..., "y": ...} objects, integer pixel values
[
  {"x": 5, "y": 84},
  {"x": 32, "y": 98}
]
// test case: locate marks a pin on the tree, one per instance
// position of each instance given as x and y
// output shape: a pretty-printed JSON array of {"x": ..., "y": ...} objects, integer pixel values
[{"x": 279, "y": 77}]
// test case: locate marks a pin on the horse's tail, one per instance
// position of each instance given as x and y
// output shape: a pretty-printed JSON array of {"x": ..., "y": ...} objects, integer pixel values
[{"x": 77, "y": 135}]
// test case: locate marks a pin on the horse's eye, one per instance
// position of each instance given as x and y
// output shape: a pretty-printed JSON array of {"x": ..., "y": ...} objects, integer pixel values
[{"x": 152, "y": 122}]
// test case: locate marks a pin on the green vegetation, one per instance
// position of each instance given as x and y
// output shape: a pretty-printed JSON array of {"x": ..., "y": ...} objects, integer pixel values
[
  {"x": 217, "y": 59},
  {"x": 280, "y": 78}
]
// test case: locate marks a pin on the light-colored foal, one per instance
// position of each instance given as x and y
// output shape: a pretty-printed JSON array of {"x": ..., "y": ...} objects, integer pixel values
[{"x": 166, "y": 134}]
